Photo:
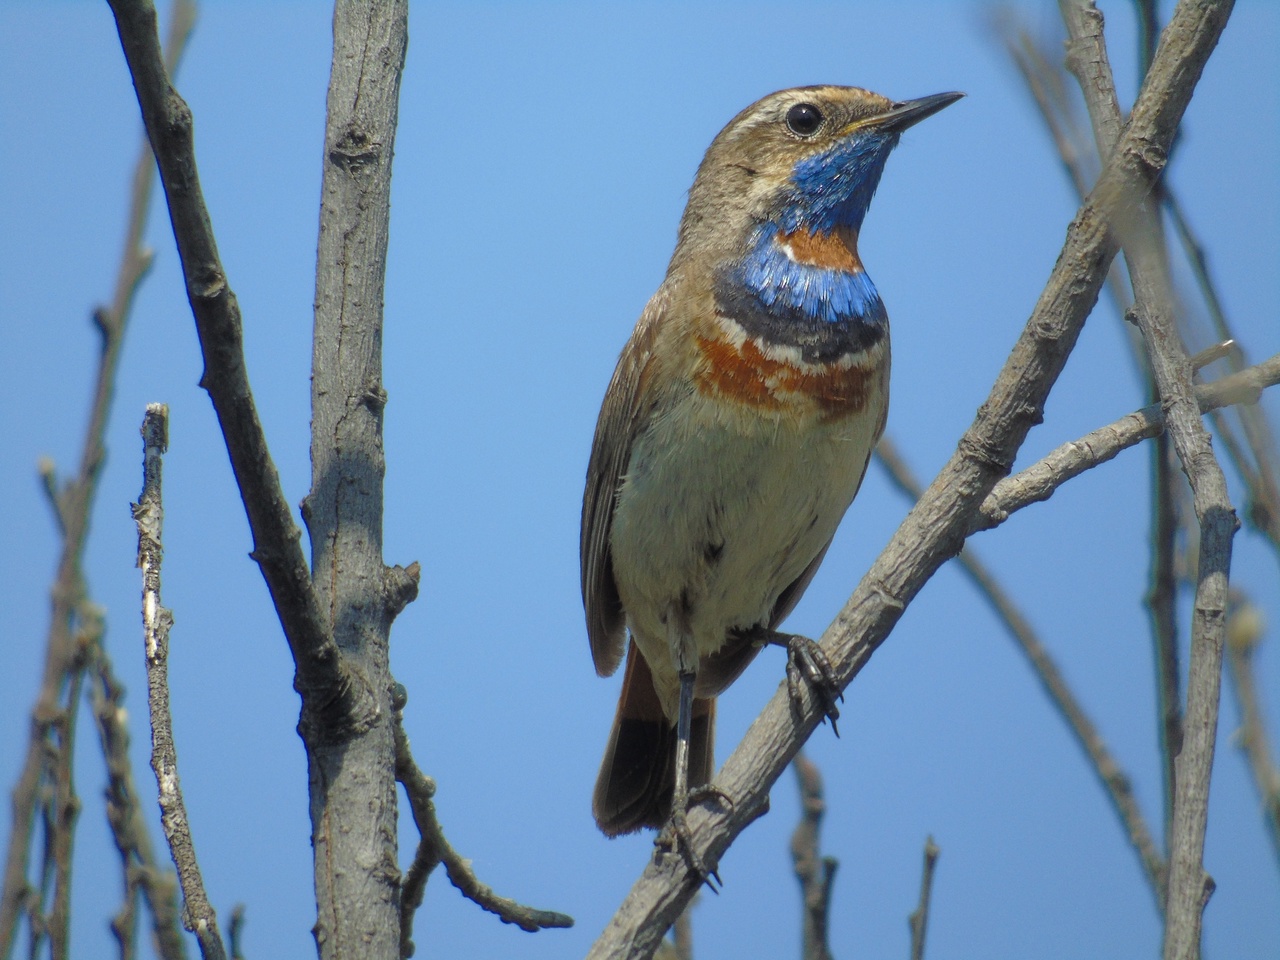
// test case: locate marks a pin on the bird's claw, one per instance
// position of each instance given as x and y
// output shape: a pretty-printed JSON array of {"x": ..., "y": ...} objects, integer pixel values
[
  {"x": 807, "y": 663},
  {"x": 676, "y": 835}
]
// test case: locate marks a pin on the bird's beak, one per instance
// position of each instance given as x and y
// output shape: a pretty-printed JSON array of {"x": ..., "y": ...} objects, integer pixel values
[{"x": 908, "y": 113}]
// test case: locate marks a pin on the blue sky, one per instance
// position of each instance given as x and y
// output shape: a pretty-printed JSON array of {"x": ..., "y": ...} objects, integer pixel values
[{"x": 541, "y": 165}]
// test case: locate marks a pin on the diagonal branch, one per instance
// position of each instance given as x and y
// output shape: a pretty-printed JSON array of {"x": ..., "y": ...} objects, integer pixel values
[
  {"x": 1189, "y": 885},
  {"x": 72, "y": 503},
  {"x": 935, "y": 530},
  {"x": 1114, "y": 780},
  {"x": 333, "y": 697},
  {"x": 434, "y": 849},
  {"x": 1038, "y": 481}
]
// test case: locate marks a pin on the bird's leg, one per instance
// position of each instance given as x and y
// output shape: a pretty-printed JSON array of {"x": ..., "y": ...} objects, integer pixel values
[
  {"x": 806, "y": 662},
  {"x": 681, "y": 796}
]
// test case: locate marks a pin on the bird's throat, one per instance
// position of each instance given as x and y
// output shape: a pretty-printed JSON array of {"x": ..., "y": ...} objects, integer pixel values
[{"x": 835, "y": 250}]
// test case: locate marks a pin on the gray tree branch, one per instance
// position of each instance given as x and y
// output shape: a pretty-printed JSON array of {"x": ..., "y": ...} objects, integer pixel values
[
  {"x": 74, "y": 628},
  {"x": 352, "y": 773},
  {"x": 334, "y": 697},
  {"x": 197, "y": 915},
  {"x": 815, "y": 872}
]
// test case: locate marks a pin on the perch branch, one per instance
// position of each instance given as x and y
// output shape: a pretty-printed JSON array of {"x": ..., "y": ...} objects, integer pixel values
[{"x": 148, "y": 513}]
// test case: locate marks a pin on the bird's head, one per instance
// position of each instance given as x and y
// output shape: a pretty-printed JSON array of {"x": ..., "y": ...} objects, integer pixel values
[{"x": 808, "y": 159}]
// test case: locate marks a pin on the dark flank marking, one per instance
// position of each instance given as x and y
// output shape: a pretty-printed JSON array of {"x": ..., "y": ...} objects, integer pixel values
[
  {"x": 748, "y": 376},
  {"x": 713, "y": 551}
]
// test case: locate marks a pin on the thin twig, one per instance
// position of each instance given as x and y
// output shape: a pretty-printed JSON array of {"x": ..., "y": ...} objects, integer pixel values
[
  {"x": 1115, "y": 781},
  {"x": 935, "y": 530},
  {"x": 1087, "y": 61},
  {"x": 815, "y": 872},
  {"x": 142, "y": 872},
  {"x": 1189, "y": 885},
  {"x": 148, "y": 513},
  {"x": 682, "y": 933},
  {"x": 1244, "y": 632},
  {"x": 434, "y": 848},
  {"x": 334, "y": 697},
  {"x": 235, "y": 932},
  {"x": 918, "y": 921},
  {"x": 72, "y": 504},
  {"x": 1039, "y": 481}
]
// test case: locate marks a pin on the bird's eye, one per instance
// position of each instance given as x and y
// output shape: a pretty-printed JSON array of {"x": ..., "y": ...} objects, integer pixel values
[{"x": 804, "y": 119}]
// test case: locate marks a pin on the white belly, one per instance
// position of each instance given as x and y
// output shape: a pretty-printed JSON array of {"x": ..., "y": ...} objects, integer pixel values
[{"x": 718, "y": 514}]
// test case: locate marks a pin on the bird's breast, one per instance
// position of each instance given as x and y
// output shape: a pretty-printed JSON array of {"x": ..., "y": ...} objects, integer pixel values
[{"x": 751, "y": 372}]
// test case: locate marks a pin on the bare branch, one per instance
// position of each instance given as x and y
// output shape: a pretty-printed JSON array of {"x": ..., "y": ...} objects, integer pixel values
[
  {"x": 1189, "y": 885},
  {"x": 128, "y": 827},
  {"x": 934, "y": 531},
  {"x": 148, "y": 513},
  {"x": 1087, "y": 60},
  {"x": 72, "y": 505},
  {"x": 918, "y": 921},
  {"x": 1244, "y": 632},
  {"x": 434, "y": 848},
  {"x": 1038, "y": 481},
  {"x": 815, "y": 872},
  {"x": 1115, "y": 781},
  {"x": 334, "y": 699}
]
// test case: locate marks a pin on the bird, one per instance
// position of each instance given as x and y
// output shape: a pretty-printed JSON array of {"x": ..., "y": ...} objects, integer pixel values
[{"x": 733, "y": 436}]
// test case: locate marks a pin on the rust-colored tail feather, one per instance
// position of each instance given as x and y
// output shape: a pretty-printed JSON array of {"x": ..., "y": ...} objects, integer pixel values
[{"x": 638, "y": 774}]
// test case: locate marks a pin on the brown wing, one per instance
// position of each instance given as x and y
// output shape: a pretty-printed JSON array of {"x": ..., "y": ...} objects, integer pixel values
[{"x": 625, "y": 408}]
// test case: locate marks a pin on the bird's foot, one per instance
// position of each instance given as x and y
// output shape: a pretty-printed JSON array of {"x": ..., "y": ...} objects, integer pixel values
[
  {"x": 806, "y": 663},
  {"x": 676, "y": 835}
]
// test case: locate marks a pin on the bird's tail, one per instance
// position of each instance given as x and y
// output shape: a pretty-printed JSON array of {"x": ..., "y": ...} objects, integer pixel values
[{"x": 638, "y": 774}]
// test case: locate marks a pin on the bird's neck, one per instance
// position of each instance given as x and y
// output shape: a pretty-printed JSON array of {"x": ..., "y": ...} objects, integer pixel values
[{"x": 804, "y": 288}]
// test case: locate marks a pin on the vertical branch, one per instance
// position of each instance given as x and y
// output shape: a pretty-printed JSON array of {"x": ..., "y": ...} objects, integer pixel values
[
  {"x": 1244, "y": 631},
  {"x": 352, "y": 778},
  {"x": 815, "y": 873},
  {"x": 1161, "y": 601},
  {"x": 1189, "y": 885},
  {"x": 148, "y": 513},
  {"x": 72, "y": 504},
  {"x": 918, "y": 921},
  {"x": 1087, "y": 60},
  {"x": 142, "y": 874}
]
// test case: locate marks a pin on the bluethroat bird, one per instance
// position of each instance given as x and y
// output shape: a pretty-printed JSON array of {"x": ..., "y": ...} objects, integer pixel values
[{"x": 734, "y": 435}]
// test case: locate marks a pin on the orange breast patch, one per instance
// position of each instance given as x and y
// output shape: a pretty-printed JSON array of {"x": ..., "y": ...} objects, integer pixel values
[
  {"x": 837, "y": 250},
  {"x": 744, "y": 374}
]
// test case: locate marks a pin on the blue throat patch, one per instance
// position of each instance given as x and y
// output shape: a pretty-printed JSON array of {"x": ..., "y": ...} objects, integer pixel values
[
  {"x": 829, "y": 295},
  {"x": 826, "y": 312}
]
